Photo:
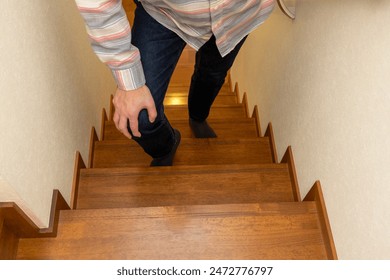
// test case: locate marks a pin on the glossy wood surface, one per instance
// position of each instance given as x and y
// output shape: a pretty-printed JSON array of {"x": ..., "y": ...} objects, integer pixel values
[
  {"x": 190, "y": 152},
  {"x": 240, "y": 231},
  {"x": 183, "y": 185},
  {"x": 224, "y": 198},
  {"x": 229, "y": 128}
]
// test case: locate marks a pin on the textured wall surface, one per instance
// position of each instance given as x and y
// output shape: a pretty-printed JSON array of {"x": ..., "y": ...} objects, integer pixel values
[
  {"x": 323, "y": 81},
  {"x": 52, "y": 91}
]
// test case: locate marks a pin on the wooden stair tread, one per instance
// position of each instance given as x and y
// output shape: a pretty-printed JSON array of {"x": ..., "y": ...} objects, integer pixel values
[
  {"x": 229, "y": 128},
  {"x": 183, "y": 185},
  {"x": 187, "y": 57},
  {"x": 244, "y": 231},
  {"x": 182, "y": 73},
  {"x": 123, "y": 153}
]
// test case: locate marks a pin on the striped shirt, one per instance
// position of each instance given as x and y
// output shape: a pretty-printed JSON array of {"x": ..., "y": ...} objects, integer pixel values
[{"x": 195, "y": 21}]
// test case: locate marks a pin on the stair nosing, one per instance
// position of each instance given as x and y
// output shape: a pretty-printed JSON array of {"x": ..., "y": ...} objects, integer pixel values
[{"x": 191, "y": 168}]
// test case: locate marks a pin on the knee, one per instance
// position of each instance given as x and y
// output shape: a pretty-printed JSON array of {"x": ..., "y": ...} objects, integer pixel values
[{"x": 144, "y": 125}]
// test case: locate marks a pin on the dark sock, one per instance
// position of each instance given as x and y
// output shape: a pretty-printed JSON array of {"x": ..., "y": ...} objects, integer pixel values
[
  {"x": 202, "y": 129},
  {"x": 168, "y": 159}
]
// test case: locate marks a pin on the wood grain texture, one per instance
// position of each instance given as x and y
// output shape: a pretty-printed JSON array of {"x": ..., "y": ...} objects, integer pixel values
[
  {"x": 183, "y": 185},
  {"x": 220, "y": 112},
  {"x": 316, "y": 195},
  {"x": 190, "y": 152},
  {"x": 17, "y": 222},
  {"x": 220, "y": 232},
  {"x": 224, "y": 198},
  {"x": 8, "y": 240},
  {"x": 229, "y": 128},
  {"x": 182, "y": 75}
]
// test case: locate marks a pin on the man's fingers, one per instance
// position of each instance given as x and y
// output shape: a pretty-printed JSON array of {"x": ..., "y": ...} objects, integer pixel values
[
  {"x": 122, "y": 127},
  {"x": 128, "y": 105},
  {"x": 152, "y": 112},
  {"x": 134, "y": 127}
]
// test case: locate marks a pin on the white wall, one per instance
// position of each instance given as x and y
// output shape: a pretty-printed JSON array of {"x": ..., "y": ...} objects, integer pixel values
[
  {"x": 52, "y": 91},
  {"x": 324, "y": 83}
]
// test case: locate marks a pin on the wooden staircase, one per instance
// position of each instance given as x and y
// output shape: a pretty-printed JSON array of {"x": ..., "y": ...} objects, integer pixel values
[{"x": 224, "y": 198}]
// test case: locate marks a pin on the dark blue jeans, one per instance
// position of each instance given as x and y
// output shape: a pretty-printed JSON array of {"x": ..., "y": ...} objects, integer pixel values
[{"x": 160, "y": 51}]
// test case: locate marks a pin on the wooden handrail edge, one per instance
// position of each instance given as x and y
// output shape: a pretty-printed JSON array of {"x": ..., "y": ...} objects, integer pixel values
[{"x": 285, "y": 10}]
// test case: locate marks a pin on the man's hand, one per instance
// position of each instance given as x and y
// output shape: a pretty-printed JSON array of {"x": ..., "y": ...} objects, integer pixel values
[{"x": 128, "y": 105}]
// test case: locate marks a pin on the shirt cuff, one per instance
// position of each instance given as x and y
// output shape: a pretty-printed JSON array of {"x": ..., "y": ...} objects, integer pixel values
[{"x": 131, "y": 78}]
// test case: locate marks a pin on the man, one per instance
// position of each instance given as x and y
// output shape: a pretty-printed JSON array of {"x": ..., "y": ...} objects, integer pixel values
[{"x": 143, "y": 59}]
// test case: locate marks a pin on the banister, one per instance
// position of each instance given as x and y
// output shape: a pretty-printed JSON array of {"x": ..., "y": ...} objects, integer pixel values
[{"x": 287, "y": 7}]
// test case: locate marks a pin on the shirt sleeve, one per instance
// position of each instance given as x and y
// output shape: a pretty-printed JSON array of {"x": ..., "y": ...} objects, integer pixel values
[{"x": 110, "y": 35}]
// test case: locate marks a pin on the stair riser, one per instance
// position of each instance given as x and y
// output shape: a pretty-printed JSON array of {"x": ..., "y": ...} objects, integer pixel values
[
  {"x": 190, "y": 152},
  {"x": 177, "y": 87},
  {"x": 216, "y": 113},
  {"x": 182, "y": 99},
  {"x": 179, "y": 112},
  {"x": 228, "y": 129}
]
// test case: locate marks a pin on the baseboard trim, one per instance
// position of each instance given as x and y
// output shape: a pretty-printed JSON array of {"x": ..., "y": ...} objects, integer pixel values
[
  {"x": 58, "y": 203},
  {"x": 103, "y": 124},
  {"x": 78, "y": 165},
  {"x": 270, "y": 134},
  {"x": 236, "y": 92},
  {"x": 93, "y": 138},
  {"x": 8, "y": 240},
  {"x": 256, "y": 116},
  {"x": 244, "y": 102},
  {"x": 15, "y": 224},
  {"x": 111, "y": 116},
  {"x": 230, "y": 83},
  {"x": 288, "y": 158},
  {"x": 315, "y": 194}
]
